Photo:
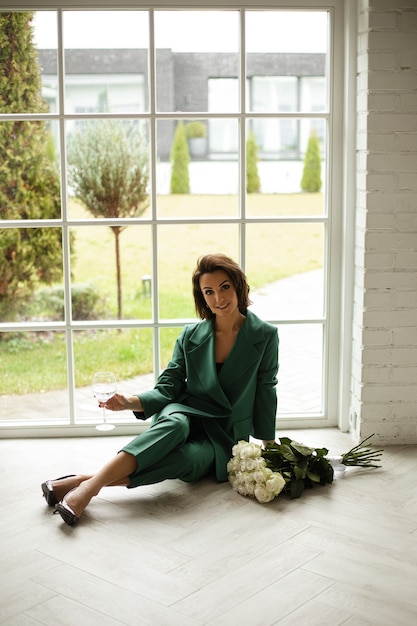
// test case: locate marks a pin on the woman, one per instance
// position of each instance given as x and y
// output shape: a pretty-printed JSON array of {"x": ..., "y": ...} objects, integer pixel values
[{"x": 218, "y": 388}]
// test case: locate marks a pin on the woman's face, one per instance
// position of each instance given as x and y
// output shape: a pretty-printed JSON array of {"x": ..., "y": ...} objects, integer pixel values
[{"x": 219, "y": 293}]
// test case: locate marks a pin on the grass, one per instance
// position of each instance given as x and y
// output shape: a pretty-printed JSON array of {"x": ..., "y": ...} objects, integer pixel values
[{"x": 33, "y": 362}]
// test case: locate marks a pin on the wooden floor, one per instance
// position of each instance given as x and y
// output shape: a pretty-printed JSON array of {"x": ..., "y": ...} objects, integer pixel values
[{"x": 190, "y": 555}]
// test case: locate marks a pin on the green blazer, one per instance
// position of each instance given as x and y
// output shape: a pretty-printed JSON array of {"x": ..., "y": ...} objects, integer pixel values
[{"x": 231, "y": 405}]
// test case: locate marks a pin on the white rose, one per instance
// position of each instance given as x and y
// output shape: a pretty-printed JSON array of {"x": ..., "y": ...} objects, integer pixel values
[
  {"x": 233, "y": 466},
  {"x": 259, "y": 476},
  {"x": 250, "y": 486},
  {"x": 238, "y": 447},
  {"x": 242, "y": 489},
  {"x": 275, "y": 484},
  {"x": 262, "y": 495},
  {"x": 262, "y": 473},
  {"x": 250, "y": 451}
]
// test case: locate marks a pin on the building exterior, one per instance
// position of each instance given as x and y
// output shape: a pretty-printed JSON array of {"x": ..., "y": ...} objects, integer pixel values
[{"x": 99, "y": 80}]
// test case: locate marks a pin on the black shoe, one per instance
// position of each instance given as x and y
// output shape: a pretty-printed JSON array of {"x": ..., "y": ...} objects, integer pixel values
[
  {"x": 48, "y": 490},
  {"x": 66, "y": 513}
]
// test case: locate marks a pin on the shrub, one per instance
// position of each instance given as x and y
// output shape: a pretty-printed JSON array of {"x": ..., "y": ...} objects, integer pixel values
[
  {"x": 311, "y": 179},
  {"x": 180, "y": 158},
  {"x": 87, "y": 304},
  {"x": 196, "y": 130}
]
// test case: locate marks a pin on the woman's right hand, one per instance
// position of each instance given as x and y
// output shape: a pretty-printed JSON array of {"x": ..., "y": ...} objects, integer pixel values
[
  {"x": 117, "y": 403},
  {"x": 120, "y": 403}
]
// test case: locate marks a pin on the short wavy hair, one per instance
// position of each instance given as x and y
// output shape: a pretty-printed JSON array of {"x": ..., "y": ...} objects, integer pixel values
[{"x": 208, "y": 264}]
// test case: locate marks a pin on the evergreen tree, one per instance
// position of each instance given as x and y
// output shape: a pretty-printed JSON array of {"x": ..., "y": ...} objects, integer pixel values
[
  {"x": 29, "y": 179},
  {"x": 311, "y": 180},
  {"x": 180, "y": 158},
  {"x": 253, "y": 182},
  {"x": 108, "y": 171}
]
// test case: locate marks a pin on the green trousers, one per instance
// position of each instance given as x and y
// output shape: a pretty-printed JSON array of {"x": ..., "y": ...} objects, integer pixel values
[{"x": 170, "y": 448}]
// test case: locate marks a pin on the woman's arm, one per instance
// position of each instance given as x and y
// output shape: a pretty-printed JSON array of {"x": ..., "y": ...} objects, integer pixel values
[{"x": 265, "y": 406}]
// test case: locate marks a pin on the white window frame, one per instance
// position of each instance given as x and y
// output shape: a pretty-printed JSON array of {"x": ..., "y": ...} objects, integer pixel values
[{"x": 339, "y": 221}]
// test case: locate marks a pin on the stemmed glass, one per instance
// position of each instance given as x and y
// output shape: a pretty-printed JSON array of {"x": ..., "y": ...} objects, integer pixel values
[{"x": 104, "y": 387}]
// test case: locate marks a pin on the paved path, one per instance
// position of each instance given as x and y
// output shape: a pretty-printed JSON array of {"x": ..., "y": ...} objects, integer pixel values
[{"x": 299, "y": 388}]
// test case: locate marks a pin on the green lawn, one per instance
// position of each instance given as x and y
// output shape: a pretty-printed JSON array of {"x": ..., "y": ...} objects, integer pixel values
[{"x": 35, "y": 362}]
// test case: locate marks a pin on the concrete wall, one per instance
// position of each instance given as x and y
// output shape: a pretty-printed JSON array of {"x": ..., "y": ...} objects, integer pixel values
[{"x": 384, "y": 362}]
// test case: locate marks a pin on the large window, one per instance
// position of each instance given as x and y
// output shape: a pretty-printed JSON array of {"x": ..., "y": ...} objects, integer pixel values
[{"x": 145, "y": 141}]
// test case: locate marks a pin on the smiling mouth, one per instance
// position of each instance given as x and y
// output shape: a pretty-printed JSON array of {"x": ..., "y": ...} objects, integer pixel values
[{"x": 223, "y": 306}]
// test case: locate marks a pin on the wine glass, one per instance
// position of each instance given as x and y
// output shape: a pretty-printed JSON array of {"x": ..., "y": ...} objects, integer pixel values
[{"x": 104, "y": 387}]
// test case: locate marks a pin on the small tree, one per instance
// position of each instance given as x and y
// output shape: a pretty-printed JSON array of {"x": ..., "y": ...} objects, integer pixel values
[
  {"x": 109, "y": 173},
  {"x": 196, "y": 130},
  {"x": 29, "y": 178},
  {"x": 180, "y": 158},
  {"x": 253, "y": 182},
  {"x": 311, "y": 180}
]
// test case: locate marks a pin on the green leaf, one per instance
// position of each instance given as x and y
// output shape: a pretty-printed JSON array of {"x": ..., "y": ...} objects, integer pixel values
[
  {"x": 287, "y": 453},
  {"x": 300, "y": 473},
  {"x": 314, "y": 477},
  {"x": 302, "y": 449},
  {"x": 297, "y": 488},
  {"x": 302, "y": 463}
]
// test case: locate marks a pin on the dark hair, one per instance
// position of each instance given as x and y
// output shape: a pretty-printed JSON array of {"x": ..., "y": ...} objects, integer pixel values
[{"x": 208, "y": 264}]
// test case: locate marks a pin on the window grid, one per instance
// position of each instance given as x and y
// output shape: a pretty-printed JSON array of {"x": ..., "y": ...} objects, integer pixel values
[{"x": 242, "y": 220}]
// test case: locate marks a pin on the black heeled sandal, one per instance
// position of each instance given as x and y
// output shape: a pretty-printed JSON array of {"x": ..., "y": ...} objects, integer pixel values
[
  {"x": 66, "y": 512},
  {"x": 48, "y": 491}
]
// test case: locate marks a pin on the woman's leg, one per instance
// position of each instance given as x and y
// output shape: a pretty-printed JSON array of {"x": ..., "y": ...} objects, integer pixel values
[
  {"x": 61, "y": 486},
  {"x": 114, "y": 473},
  {"x": 190, "y": 462},
  {"x": 169, "y": 431}
]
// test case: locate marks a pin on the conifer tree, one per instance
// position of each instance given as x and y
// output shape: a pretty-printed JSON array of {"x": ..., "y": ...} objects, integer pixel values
[
  {"x": 29, "y": 179},
  {"x": 311, "y": 179},
  {"x": 180, "y": 158},
  {"x": 253, "y": 182}
]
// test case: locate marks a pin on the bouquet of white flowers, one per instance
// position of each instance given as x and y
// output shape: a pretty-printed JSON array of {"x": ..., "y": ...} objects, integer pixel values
[
  {"x": 249, "y": 474},
  {"x": 289, "y": 466}
]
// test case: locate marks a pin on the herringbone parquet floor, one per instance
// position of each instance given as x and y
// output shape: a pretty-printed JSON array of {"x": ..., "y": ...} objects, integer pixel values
[{"x": 190, "y": 555}]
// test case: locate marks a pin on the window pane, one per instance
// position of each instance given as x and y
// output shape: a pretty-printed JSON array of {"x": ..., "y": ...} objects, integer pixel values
[
  {"x": 108, "y": 168},
  {"x": 106, "y": 61},
  {"x": 286, "y": 157},
  {"x": 21, "y": 84},
  {"x": 111, "y": 272},
  {"x": 128, "y": 353},
  {"x": 194, "y": 46},
  {"x": 31, "y": 274},
  {"x": 284, "y": 48},
  {"x": 34, "y": 376},
  {"x": 179, "y": 247},
  {"x": 46, "y": 42},
  {"x": 300, "y": 351},
  {"x": 29, "y": 173},
  {"x": 193, "y": 180},
  {"x": 278, "y": 251}
]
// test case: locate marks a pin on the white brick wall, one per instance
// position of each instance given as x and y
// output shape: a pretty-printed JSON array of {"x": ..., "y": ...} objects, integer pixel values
[{"x": 384, "y": 355}]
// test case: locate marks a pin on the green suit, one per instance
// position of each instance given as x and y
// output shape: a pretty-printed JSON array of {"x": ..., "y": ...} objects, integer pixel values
[{"x": 220, "y": 407}]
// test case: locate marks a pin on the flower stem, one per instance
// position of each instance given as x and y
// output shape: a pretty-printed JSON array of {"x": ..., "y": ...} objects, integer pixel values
[{"x": 362, "y": 456}]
